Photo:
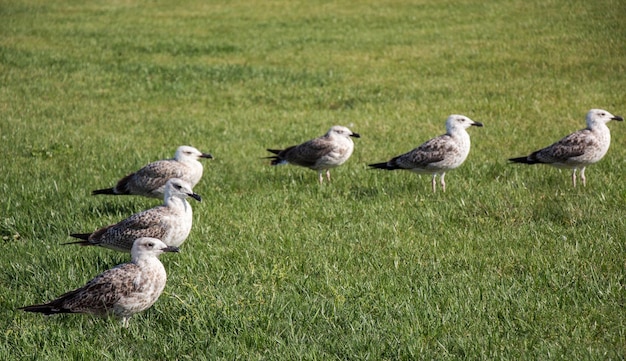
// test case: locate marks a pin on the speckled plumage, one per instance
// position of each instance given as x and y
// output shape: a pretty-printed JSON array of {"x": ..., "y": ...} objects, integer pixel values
[
  {"x": 170, "y": 222},
  {"x": 438, "y": 155},
  {"x": 150, "y": 180},
  {"x": 321, "y": 154},
  {"x": 121, "y": 291},
  {"x": 579, "y": 149}
]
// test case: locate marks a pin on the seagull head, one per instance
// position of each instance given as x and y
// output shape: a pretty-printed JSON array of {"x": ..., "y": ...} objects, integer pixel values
[
  {"x": 177, "y": 187},
  {"x": 147, "y": 246},
  {"x": 341, "y": 131},
  {"x": 457, "y": 121},
  {"x": 600, "y": 116},
  {"x": 185, "y": 152}
]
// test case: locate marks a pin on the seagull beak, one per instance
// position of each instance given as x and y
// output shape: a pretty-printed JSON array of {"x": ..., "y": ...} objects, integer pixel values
[
  {"x": 618, "y": 118},
  {"x": 356, "y": 135},
  {"x": 195, "y": 196},
  {"x": 477, "y": 124},
  {"x": 170, "y": 249},
  {"x": 206, "y": 155}
]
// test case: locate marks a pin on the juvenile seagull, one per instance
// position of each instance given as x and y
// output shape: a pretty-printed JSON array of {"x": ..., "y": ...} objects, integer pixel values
[
  {"x": 579, "y": 149},
  {"x": 169, "y": 222},
  {"x": 150, "y": 180},
  {"x": 438, "y": 155},
  {"x": 320, "y": 154},
  {"x": 120, "y": 291}
]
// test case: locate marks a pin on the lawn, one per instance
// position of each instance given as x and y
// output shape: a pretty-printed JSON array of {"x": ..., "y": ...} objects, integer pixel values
[{"x": 509, "y": 263}]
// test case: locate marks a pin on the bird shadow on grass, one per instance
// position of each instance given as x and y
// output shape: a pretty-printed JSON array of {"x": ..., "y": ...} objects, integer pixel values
[
  {"x": 359, "y": 192},
  {"x": 121, "y": 208}
]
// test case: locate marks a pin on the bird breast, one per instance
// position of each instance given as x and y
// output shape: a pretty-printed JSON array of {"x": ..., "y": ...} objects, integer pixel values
[
  {"x": 193, "y": 173},
  {"x": 342, "y": 151}
]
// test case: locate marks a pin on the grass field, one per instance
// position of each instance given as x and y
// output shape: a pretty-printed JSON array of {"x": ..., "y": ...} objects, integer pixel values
[{"x": 510, "y": 263}]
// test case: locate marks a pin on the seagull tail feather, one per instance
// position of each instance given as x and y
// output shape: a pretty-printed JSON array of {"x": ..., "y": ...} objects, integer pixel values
[{"x": 276, "y": 160}]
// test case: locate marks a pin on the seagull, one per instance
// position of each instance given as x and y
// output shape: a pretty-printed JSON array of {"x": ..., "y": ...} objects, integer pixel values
[
  {"x": 438, "y": 155},
  {"x": 321, "y": 154},
  {"x": 169, "y": 222},
  {"x": 150, "y": 180},
  {"x": 579, "y": 149},
  {"x": 120, "y": 291}
]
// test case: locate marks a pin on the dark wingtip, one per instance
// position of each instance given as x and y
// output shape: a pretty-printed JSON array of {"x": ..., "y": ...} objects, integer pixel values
[
  {"x": 103, "y": 191},
  {"x": 80, "y": 243},
  {"x": 46, "y": 309},
  {"x": 383, "y": 165},
  {"x": 36, "y": 308},
  {"x": 83, "y": 236},
  {"x": 523, "y": 160}
]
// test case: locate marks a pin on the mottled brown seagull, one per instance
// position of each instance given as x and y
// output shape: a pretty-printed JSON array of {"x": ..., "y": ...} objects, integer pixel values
[
  {"x": 321, "y": 154},
  {"x": 121, "y": 291},
  {"x": 438, "y": 155},
  {"x": 169, "y": 222},
  {"x": 579, "y": 149},
  {"x": 150, "y": 180}
]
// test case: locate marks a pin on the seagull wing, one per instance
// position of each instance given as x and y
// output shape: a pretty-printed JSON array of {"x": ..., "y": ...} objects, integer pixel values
[
  {"x": 307, "y": 154},
  {"x": 100, "y": 295},
  {"x": 571, "y": 146},
  {"x": 121, "y": 235},
  {"x": 432, "y": 151},
  {"x": 152, "y": 177}
]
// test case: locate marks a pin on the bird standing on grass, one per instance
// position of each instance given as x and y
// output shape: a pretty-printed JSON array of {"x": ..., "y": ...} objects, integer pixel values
[
  {"x": 169, "y": 222},
  {"x": 121, "y": 291},
  {"x": 579, "y": 149},
  {"x": 150, "y": 180},
  {"x": 320, "y": 154},
  {"x": 438, "y": 155}
]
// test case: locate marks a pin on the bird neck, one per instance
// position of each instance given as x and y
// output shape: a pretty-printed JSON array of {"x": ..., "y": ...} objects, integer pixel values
[
  {"x": 146, "y": 261},
  {"x": 177, "y": 202},
  {"x": 458, "y": 133},
  {"x": 597, "y": 126},
  {"x": 189, "y": 161}
]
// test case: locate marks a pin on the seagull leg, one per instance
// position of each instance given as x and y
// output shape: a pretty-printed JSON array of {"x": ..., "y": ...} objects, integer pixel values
[
  {"x": 125, "y": 322},
  {"x": 582, "y": 176},
  {"x": 574, "y": 177},
  {"x": 443, "y": 182},
  {"x": 320, "y": 176},
  {"x": 328, "y": 175},
  {"x": 434, "y": 182}
]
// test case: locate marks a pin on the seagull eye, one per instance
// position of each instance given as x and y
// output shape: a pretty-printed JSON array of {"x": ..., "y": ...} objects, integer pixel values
[{"x": 150, "y": 245}]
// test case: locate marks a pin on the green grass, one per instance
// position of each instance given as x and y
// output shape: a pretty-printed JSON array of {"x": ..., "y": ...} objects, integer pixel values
[{"x": 509, "y": 263}]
